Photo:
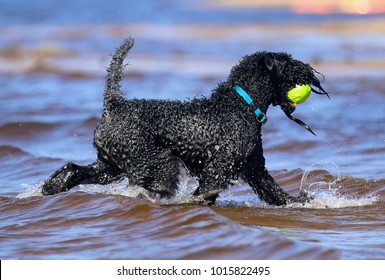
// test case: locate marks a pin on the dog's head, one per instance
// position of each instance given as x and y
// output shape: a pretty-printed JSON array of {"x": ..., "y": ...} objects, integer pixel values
[{"x": 279, "y": 79}]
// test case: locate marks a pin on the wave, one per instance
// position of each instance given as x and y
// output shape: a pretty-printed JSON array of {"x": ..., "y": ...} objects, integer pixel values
[
  {"x": 239, "y": 226},
  {"x": 327, "y": 192},
  {"x": 111, "y": 226},
  {"x": 7, "y": 151},
  {"x": 25, "y": 129}
]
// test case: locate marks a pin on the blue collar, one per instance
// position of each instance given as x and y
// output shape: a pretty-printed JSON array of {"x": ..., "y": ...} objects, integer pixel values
[{"x": 261, "y": 117}]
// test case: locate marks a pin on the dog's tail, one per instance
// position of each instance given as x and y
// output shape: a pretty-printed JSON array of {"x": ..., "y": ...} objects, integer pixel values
[{"x": 115, "y": 70}]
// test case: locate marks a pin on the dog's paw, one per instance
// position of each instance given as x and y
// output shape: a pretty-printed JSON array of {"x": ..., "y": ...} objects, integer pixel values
[
  {"x": 52, "y": 186},
  {"x": 201, "y": 200},
  {"x": 206, "y": 198},
  {"x": 304, "y": 197},
  {"x": 49, "y": 189}
]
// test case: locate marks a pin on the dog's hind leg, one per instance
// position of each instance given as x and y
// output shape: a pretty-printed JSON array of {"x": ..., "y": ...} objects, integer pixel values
[
  {"x": 212, "y": 181},
  {"x": 204, "y": 195},
  {"x": 71, "y": 175},
  {"x": 160, "y": 174}
]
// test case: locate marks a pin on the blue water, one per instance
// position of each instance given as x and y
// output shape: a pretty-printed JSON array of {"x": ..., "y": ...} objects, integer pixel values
[{"x": 53, "y": 56}]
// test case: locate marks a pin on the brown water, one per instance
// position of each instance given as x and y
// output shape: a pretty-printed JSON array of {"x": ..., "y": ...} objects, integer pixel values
[{"x": 51, "y": 82}]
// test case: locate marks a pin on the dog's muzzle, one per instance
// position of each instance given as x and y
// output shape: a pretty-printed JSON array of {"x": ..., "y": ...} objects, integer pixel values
[{"x": 299, "y": 94}]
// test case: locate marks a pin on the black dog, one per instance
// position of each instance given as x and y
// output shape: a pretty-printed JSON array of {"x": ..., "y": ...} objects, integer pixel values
[{"x": 217, "y": 139}]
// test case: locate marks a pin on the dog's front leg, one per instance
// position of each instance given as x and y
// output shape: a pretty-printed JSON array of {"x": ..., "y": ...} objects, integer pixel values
[{"x": 264, "y": 185}]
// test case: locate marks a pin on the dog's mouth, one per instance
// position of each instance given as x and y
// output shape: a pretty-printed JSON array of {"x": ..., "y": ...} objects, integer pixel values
[
  {"x": 301, "y": 123},
  {"x": 298, "y": 94}
]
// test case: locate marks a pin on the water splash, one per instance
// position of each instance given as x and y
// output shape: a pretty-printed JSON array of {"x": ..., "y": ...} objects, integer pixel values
[
  {"x": 240, "y": 195},
  {"x": 325, "y": 189},
  {"x": 187, "y": 184},
  {"x": 30, "y": 191},
  {"x": 318, "y": 182},
  {"x": 331, "y": 199},
  {"x": 123, "y": 188},
  {"x": 316, "y": 178}
]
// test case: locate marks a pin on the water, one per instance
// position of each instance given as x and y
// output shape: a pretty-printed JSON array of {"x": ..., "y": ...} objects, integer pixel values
[{"x": 52, "y": 66}]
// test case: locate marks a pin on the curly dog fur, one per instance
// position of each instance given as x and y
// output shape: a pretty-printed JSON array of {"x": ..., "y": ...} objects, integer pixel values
[{"x": 217, "y": 139}]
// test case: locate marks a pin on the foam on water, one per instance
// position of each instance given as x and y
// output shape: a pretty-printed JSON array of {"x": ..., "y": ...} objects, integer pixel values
[
  {"x": 332, "y": 199},
  {"x": 30, "y": 191},
  {"x": 318, "y": 183},
  {"x": 324, "y": 188},
  {"x": 322, "y": 199}
]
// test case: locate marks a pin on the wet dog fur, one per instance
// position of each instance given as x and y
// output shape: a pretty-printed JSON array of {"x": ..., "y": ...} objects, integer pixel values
[{"x": 217, "y": 139}]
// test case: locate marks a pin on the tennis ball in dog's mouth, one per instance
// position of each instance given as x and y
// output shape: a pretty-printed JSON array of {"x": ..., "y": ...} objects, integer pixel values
[{"x": 299, "y": 93}]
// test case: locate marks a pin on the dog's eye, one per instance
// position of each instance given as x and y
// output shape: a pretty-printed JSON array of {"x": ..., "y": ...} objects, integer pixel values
[{"x": 299, "y": 93}]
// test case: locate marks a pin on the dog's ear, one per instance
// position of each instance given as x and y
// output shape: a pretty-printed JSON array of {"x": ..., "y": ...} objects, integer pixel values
[
  {"x": 272, "y": 65},
  {"x": 266, "y": 63}
]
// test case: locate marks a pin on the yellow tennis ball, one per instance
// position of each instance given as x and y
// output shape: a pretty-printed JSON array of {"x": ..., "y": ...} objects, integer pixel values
[{"x": 299, "y": 93}]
